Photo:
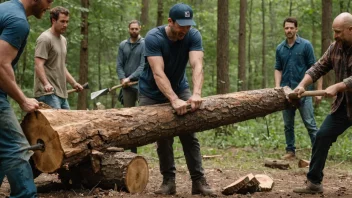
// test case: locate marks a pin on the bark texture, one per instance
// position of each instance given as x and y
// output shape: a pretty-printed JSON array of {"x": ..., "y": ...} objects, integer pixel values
[
  {"x": 71, "y": 135},
  {"x": 122, "y": 170}
]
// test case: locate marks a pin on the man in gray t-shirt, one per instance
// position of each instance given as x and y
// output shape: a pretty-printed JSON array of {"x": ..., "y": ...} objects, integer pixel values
[{"x": 51, "y": 73}]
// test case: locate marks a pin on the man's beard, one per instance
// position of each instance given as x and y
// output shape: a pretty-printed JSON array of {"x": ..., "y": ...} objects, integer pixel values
[
  {"x": 132, "y": 35},
  {"x": 290, "y": 35}
]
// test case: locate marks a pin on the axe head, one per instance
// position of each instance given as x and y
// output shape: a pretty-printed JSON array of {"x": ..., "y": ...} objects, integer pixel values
[{"x": 98, "y": 93}]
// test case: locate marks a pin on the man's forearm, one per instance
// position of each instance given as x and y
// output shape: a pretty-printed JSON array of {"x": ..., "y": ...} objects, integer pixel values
[
  {"x": 278, "y": 77},
  {"x": 69, "y": 78},
  {"x": 40, "y": 72},
  {"x": 165, "y": 87},
  {"x": 320, "y": 83},
  {"x": 197, "y": 79},
  {"x": 8, "y": 83},
  {"x": 307, "y": 80}
]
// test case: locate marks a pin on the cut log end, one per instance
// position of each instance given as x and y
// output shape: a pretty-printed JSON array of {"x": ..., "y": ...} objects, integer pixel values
[
  {"x": 266, "y": 183},
  {"x": 37, "y": 128},
  {"x": 137, "y": 175}
]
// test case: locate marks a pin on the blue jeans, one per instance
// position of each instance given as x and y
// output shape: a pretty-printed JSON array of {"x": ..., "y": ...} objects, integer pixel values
[
  {"x": 307, "y": 114},
  {"x": 333, "y": 126},
  {"x": 54, "y": 101},
  {"x": 190, "y": 145},
  {"x": 13, "y": 162}
]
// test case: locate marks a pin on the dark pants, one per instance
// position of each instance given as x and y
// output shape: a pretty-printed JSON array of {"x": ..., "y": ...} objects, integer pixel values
[
  {"x": 130, "y": 98},
  {"x": 190, "y": 144},
  {"x": 333, "y": 126}
]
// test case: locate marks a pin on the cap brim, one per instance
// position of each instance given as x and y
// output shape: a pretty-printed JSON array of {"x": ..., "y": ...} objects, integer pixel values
[{"x": 185, "y": 22}]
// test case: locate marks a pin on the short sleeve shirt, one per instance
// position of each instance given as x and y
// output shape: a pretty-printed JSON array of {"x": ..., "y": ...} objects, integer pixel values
[
  {"x": 14, "y": 27},
  {"x": 53, "y": 49},
  {"x": 175, "y": 55}
]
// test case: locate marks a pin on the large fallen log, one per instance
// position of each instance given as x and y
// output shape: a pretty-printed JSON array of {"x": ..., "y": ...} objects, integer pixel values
[{"x": 71, "y": 135}]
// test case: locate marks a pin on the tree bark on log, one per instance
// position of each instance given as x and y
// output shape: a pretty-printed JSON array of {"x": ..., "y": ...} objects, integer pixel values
[
  {"x": 116, "y": 170},
  {"x": 71, "y": 135}
]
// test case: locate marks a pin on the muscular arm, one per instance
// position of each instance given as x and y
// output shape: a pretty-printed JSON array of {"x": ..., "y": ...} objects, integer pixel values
[
  {"x": 40, "y": 72},
  {"x": 7, "y": 78},
  {"x": 278, "y": 77},
  {"x": 196, "y": 61},
  {"x": 157, "y": 65}
]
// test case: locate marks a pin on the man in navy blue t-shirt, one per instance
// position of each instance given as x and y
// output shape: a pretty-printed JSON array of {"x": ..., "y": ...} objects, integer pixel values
[
  {"x": 168, "y": 49},
  {"x": 14, "y": 30}
]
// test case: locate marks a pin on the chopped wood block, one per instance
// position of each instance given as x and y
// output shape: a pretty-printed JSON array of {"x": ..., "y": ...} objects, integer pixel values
[
  {"x": 274, "y": 163},
  {"x": 251, "y": 187},
  {"x": 235, "y": 186},
  {"x": 266, "y": 183},
  {"x": 303, "y": 163},
  {"x": 126, "y": 170}
]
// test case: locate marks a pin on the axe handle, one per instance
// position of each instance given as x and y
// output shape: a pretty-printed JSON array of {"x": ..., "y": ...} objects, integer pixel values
[
  {"x": 85, "y": 86},
  {"x": 314, "y": 93},
  {"x": 118, "y": 86}
]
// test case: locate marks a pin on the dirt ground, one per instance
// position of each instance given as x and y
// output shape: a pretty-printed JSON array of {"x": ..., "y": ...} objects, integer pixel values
[{"x": 337, "y": 181}]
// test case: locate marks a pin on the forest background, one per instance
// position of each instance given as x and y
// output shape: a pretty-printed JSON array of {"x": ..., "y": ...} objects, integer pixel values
[{"x": 239, "y": 40}]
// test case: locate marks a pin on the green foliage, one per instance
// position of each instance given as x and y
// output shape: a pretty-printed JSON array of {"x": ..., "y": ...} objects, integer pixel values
[{"x": 108, "y": 27}]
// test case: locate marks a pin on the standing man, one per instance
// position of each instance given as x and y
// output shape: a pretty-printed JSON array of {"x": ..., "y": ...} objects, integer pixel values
[
  {"x": 14, "y": 30},
  {"x": 51, "y": 73},
  {"x": 294, "y": 56},
  {"x": 130, "y": 64},
  {"x": 338, "y": 57},
  {"x": 168, "y": 50}
]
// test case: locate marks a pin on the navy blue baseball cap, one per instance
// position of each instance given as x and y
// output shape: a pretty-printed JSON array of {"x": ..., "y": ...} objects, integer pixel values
[{"x": 182, "y": 14}]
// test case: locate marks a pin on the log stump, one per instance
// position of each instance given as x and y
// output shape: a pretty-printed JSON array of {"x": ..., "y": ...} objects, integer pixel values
[{"x": 122, "y": 170}]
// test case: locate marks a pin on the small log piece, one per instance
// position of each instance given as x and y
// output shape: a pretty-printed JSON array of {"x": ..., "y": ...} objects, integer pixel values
[
  {"x": 235, "y": 186},
  {"x": 274, "y": 163},
  {"x": 303, "y": 163},
  {"x": 266, "y": 183},
  {"x": 251, "y": 187},
  {"x": 126, "y": 170}
]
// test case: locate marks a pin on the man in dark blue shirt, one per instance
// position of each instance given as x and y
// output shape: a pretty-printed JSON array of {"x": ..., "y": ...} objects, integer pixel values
[
  {"x": 294, "y": 56},
  {"x": 168, "y": 50},
  {"x": 14, "y": 30}
]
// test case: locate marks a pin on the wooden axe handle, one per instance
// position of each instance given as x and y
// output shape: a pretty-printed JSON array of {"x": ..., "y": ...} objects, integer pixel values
[
  {"x": 294, "y": 95},
  {"x": 85, "y": 85},
  {"x": 120, "y": 85},
  {"x": 314, "y": 93}
]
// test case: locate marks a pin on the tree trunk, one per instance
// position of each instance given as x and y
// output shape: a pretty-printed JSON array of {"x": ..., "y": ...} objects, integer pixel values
[
  {"x": 264, "y": 71},
  {"x": 222, "y": 61},
  {"x": 83, "y": 68},
  {"x": 242, "y": 79},
  {"x": 160, "y": 17},
  {"x": 326, "y": 37},
  {"x": 144, "y": 16},
  {"x": 249, "y": 66},
  {"x": 71, "y": 135}
]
